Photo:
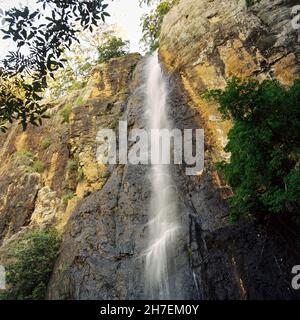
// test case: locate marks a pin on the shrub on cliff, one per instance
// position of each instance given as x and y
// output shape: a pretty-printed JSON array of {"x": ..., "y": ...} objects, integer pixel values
[
  {"x": 151, "y": 23},
  {"x": 111, "y": 47},
  {"x": 82, "y": 58},
  {"x": 32, "y": 257},
  {"x": 264, "y": 144}
]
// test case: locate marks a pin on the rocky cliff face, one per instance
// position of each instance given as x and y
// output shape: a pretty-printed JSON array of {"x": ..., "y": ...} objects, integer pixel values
[
  {"x": 49, "y": 175},
  {"x": 214, "y": 41},
  {"x": 46, "y": 170},
  {"x": 102, "y": 255},
  {"x": 217, "y": 40}
]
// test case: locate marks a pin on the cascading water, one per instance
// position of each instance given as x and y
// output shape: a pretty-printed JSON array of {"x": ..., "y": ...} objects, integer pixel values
[{"x": 162, "y": 212}]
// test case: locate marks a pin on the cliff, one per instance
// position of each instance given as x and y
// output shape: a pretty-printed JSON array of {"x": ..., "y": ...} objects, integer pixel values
[
  {"x": 217, "y": 40},
  {"x": 46, "y": 170}
]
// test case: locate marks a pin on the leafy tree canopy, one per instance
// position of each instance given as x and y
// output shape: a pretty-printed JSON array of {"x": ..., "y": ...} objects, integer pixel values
[
  {"x": 41, "y": 36},
  {"x": 82, "y": 58},
  {"x": 264, "y": 143},
  {"x": 33, "y": 257},
  {"x": 112, "y": 46},
  {"x": 151, "y": 23}
]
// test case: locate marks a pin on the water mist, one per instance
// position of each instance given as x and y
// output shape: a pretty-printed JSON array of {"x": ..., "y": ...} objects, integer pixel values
[{"x": 163, "y": 206}]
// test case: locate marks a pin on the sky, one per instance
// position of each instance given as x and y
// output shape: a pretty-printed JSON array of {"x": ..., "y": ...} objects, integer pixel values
[{"x": 125, "y": 15}]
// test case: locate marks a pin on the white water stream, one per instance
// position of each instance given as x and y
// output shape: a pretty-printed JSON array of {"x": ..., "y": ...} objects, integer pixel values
[{"x": 163, "y": 205}]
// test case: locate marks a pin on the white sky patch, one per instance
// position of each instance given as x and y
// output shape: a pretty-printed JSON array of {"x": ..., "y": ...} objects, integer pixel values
[{"x": 125, "y": 15}]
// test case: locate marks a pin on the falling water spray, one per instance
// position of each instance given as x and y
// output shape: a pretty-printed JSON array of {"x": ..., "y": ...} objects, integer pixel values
[{"x": 163, "y": 206}]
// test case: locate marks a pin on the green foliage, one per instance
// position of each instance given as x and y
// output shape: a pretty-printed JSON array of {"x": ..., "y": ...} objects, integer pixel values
[
  {"x": 33, "y": 257},
  {"x": 24, "y": 153},
  {"x": 79, "y": 101},
  {"x": 105, "y": 175},
  {"x": 38, "y": 166},
  {"x": 111, "y": 47},
  {"x": 80, "y": 61},
  {"x": 41, "y": 36},
  {"x": 264, "y": 144},
  {"x": 80, "y": 175},
  {"x": 72, "y": 165},
  {"x": 68, "y": 196},
  {"x": 65, "y": 113},
  {"x": 77, "y": 69},
  {"x": 46, "y": 143},
  {"x": 151, "y": 24},
  {"x": 251, "y": 3},
  {"x": 114, "y": 123}
]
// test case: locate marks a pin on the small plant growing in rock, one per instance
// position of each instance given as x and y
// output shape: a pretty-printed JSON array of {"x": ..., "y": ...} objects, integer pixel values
[
  {"x": 115, "y": 121},
  {"x": 68, "y": 196},
  {"x": 80, "y": 175},
  {"x": 24, "y": 153},
  {"x": 65, "y": 113},
  {"x": 105, "y": 174},
  {"x": 72, "y": 165},
  {"x": 46, "y": 143},
  {"x": 79, "y": 101},
  {"x": 33, "y": 257},
  {"x": 38, "y": 166},
  {"x": 62, "y": 268}
]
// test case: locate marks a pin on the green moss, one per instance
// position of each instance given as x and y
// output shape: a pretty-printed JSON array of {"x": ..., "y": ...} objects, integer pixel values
[
  {"x": 65, "y": 113},
  {"x": 72, "y": 165},
  {"x": 68, "y": 196},
  {"x": 46, "y": 143},
  {"x": 77, "y": 85},
  {"x": 115, "y": 121},
  {"x": 24, "y": 153},
  {"x": 79, "y": 101},
  {"x": 80, "y": 175},
  {"x": 297, "y": 55},
  {"x": 105, "y": 174},
  {"x": 38, "y": 166}
]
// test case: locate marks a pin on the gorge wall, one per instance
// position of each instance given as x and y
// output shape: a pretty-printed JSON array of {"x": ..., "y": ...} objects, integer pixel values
[
  {"x": 215, "y": 41},
  {"x": 102, "y": 211}
]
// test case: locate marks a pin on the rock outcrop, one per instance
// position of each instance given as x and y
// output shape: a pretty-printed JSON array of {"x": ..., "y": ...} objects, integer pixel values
[
  {"x": 46, "y": 170},
  {"x": 214, "y": 41},
  {"x": 217, "y": 40}
]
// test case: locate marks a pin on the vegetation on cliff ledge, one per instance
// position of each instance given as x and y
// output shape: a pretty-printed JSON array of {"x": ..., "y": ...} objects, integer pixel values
[
  {"x": 151, "y": 23},
  {"x": 264, "y": 143},
  {"x": 112, "y": 46},
  {"x": 33, "y": 257}
]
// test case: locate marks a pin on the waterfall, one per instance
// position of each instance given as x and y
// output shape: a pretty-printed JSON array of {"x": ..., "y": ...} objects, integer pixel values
[{"x": 162, "y": 210}]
